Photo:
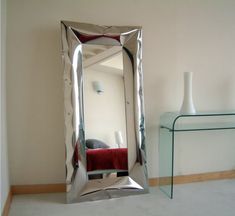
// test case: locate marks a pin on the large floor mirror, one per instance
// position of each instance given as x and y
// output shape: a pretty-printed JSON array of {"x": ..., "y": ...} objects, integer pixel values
[{"x": 104, "y": 111}]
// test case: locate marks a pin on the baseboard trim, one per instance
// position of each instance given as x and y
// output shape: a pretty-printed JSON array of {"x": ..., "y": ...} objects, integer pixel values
[
  {"x": 153, "y": 182},
  {"x": 37, "y": 189},
  {"x": 60, "y": 188},
  {"x": 204, "y": 177},
  {"x": 7, "y": 205},
  {"x": 183, "y": 179}
]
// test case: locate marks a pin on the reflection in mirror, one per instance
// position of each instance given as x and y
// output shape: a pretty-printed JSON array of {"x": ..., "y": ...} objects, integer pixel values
[
  {"x": 104, "y": 111},
  {"x": 104, "y": 117}
]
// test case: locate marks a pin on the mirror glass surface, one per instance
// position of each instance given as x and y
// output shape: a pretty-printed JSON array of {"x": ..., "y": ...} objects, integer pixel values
[
  {"x": 104, "y": 111},
  {"x": 105, "y": 115}
]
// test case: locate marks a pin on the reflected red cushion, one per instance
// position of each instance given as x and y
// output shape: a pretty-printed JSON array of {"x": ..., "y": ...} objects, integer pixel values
[{"x": 99, "y": 159}]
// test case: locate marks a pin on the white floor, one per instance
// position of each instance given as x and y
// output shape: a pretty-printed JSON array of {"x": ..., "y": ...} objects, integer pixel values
[{"x": 214, "y": 198}]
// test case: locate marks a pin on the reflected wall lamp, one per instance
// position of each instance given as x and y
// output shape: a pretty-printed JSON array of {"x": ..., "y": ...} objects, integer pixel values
[
  {"x": 97, "y": 86},
  {"x": 118, "y": 138}
]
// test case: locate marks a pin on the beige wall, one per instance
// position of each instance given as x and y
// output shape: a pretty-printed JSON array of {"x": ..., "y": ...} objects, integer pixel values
[
  {"x": 105, "y": 112},
  {"x": 5, "y": 183},
  {"x": 178, "y": 36}
]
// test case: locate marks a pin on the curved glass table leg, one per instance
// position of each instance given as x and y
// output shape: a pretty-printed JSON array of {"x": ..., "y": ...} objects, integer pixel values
[{"x": 166, "y": 154}]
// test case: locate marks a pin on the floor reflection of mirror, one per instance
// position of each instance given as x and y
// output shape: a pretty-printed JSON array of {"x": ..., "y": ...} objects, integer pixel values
[{"x": 108, "y": 175}]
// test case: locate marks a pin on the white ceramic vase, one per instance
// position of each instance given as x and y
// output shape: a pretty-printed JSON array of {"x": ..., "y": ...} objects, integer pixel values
[{"x": 188, "y": 106}]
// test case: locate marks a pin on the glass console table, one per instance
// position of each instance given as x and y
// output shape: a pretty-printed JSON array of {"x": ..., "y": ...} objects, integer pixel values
[{"x": 171, "y": 123}]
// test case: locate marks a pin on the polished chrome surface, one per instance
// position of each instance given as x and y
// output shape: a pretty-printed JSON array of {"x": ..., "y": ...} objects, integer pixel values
[{"x": 128, "y": 40}]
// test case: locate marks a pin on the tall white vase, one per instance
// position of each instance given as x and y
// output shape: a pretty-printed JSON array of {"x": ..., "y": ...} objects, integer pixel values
[{"x": 188, "y": 106}]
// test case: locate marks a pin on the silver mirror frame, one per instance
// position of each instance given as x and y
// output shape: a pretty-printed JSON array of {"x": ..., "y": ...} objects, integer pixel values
[{"x": 74, "y": 35}]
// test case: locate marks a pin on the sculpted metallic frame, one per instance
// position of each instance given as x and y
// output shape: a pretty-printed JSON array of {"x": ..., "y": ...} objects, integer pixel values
[{"x": 74, "y": 35}]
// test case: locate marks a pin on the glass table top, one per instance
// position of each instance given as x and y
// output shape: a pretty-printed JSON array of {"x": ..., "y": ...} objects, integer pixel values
[{"x": 200, "y": 121}]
